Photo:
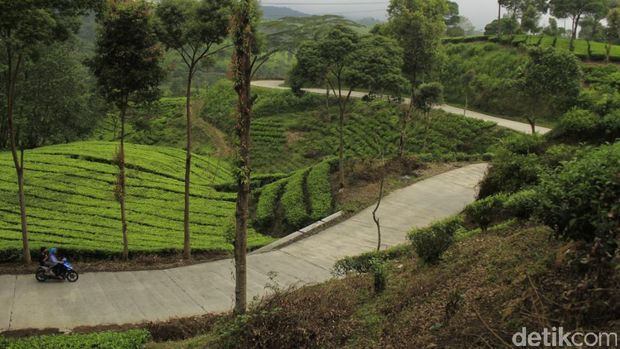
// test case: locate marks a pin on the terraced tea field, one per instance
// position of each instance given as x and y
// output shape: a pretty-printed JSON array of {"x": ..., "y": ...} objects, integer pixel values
[{"x": 71, "y": 204}]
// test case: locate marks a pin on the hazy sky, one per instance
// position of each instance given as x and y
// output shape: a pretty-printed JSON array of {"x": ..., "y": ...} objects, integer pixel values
[{"x": 480, "y": 12}]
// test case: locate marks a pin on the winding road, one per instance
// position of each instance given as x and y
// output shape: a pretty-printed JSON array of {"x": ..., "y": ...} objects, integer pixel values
[
  {"x": 138, "y": 296},
  {"x": 511, "y": 124}
]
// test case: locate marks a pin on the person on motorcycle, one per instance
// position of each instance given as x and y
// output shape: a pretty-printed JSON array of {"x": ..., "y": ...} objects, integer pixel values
[
  {"x": 56, "y": 265},
  {"x": 43, "y": 257}
]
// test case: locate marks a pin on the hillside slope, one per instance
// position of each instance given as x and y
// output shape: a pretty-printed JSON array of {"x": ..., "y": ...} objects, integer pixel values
[{"x": 71, "y": 204}]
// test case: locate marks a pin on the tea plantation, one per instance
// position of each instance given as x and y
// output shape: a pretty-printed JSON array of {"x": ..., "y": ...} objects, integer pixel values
[{"x": 71, "y": 203}]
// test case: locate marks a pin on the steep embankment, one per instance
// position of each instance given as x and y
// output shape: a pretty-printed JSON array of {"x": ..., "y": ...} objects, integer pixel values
[{"x": 71, "y": 202}]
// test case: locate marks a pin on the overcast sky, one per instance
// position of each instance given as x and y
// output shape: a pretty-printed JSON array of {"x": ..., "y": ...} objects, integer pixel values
[{"x": 480, "y": 12}]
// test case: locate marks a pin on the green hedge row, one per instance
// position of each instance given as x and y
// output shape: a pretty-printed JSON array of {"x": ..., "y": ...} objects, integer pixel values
[
  {"x": 134, "y": 339},
  {"x": 319, "y": 190},
  {"x": 267, "y": 203},
  {"x": 293, "y": 203}
]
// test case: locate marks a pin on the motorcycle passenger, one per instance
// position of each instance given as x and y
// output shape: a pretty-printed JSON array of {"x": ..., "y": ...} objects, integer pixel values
[
  {"x": 43, "y": 257},
  {"x": 56, "y": 265}
]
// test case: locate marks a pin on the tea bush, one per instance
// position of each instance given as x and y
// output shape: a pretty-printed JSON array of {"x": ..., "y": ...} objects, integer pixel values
[
  {"x": 580, "y": 201},
  {"x": 134, "y": 339},
  {"x": 485, "y": 211},
  {"x": 293, "y": 202},
  {"x": 320, "y": 191},
  {"x": 431, "y": 242},
  {"x": 522, "y": 204}
]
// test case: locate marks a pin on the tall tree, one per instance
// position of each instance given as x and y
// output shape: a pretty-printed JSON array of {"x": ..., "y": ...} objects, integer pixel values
[
  {"x": 25, "y": 26},
  {"x": 575, "y": 10},
  {"x": 612, "y": 31},
  {"x": 530, "y": 19},
  {"x": 126, "y": 64},
  {"x": 343, "y": 61},
  {"x": 61, "y": 104},
  {"x": 418, "y": 26},
  {"x": 245, "y": 16},
  {"x": 193, "y": 29},
  {"x": 550, "y": 83}
]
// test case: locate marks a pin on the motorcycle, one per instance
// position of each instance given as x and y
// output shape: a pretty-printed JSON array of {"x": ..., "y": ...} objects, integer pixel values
[{"x": 45, "y": 273}]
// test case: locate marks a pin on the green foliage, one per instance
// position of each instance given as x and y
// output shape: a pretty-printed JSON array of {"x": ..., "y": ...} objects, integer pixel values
[
  {"x": 550, "y": 82},
  {"x": 134, "y": 339},
  {"x": 428, "y": 95},
  {"x": 418, "y": 25},
  {"x": 363, "y": 263},
  {"x": 431, "y": 242},
  {"x": 320, "y": 191},
  {"x": 128, "y": 54},
  {"x": 580, "y": 201},
  {"x": 72, "y": 206},
  {"x": 494, "y": 67},
  {"x": 294, "y": 203},
  {"x": 522, "y": 204},
  {"x": 585, "y": 126},
  {"x": 485, "y": 211},
  {"x": 268, "y": 203},
  {"x": 578, "y": 125},
  {"x": 524, "y": 144},
  {"x": 510, "y": 173},
  {"x": 379, "y": 275},
  {"x": 219, "y": 106}
]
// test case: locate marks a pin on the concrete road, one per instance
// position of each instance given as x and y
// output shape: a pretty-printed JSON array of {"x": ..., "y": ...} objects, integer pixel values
[
  {"x": 514, "y": 125},
  {"x": 133, "y": 297}
]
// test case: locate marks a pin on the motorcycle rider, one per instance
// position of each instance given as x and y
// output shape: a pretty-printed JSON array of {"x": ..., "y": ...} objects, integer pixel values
[
  {"x": 43, "y": 257},
  {"x": 56, "y": 265}
]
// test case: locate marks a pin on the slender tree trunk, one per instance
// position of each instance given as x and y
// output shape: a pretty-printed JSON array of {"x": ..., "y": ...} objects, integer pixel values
[
  {"x": 341, "y": 147},
  {"x": 499, "y": 20},
  {"x": 329, "y": 118},
  {"x": 122, "y": 184},
  {"x": 243, "y": 72},
  {"x": 607, "y": 51},
  {"x": 532, "y": 123},
  {"x": 466, "y": 104},
  {"x": 187, "y": 247},
  {"x": 17, "y": 161},
  {"x": 404, "y": 124},
  {"x": 573, "y": 35},
  {"x": 374, "y": 212}
]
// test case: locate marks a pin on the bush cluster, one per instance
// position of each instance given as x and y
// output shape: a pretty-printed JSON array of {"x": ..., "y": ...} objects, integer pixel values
[
  {"x": 586, "y": 126},
  {"x": 580, "y": 201},
  {"x": 320, "y": 191},
  {"x": 267, "y": 204},
  {"x": 431, "y": 242},
  {"x": 134, "y": 339},
  {"x": 293, "y": 202}
]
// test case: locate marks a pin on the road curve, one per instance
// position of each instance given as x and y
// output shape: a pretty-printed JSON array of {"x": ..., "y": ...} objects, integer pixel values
[
  {"x": 134, "y": 297},
  {"x": 511, "y": 124}
]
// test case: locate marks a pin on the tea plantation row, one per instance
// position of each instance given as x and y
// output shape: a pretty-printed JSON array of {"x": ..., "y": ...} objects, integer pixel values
[{"x": 71, "y": 205}]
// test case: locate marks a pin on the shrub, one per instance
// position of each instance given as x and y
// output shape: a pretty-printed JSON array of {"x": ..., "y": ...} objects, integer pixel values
[
  {"x": 522, "y": 204},
  {"x": 134, "y": 339},
  {"x": 581, "y": 200},
  {"x": 362, "y": 264},
  {"x": 267, "y": 204},
  {"x": 578, "y": 126},
  {"x": 524, "y": 144},
  {"x": 611, "y": 125},
  {"x": 557, "y": 154},
  {"x": 485, "y": 211},
  {"x": 510, "y": 172},
  {"x": 431, "y": 242},
  {"x": 293, "y": 203},
  {"x": 319, "y": 191}
]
